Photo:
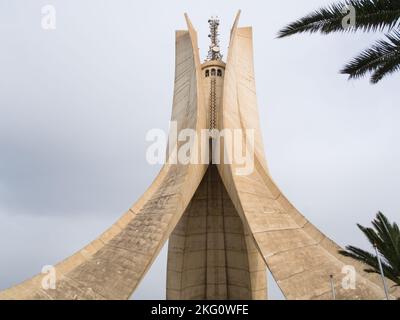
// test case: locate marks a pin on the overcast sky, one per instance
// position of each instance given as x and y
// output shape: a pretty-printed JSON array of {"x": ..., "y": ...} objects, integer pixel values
[{"x": 76, "y": 103}]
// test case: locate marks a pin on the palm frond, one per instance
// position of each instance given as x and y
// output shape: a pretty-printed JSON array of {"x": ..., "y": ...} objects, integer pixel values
[
  {"x": 370, "y": 15},
  {"x": 389, "y": 234},
  {"x": 372, "y": 261},
  {"x": 385, "y": 69},
  {"x": 382, "y": 59},
  {"x": 386, "y": 237}
]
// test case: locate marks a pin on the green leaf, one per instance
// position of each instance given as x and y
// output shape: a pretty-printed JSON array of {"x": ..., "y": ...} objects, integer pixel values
[
  {"x": 386, "y": 237},
  {"x": 371, "y": 15}
]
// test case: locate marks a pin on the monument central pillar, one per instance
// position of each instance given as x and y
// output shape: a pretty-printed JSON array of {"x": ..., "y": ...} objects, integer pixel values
[{"x": 211, "y": 255}]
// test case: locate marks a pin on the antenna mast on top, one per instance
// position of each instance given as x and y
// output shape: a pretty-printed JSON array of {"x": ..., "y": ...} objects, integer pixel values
[{"x": 215, "y": 51}]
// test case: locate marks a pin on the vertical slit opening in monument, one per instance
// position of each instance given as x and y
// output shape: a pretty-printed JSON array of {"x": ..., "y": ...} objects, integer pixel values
[
  {"x": 274, "y": 292},
  {"x": 152, "y": 286}
]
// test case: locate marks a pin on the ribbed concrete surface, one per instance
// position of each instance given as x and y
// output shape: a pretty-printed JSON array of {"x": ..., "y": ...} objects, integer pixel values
[
  {"x": 299, "y": 257},
  {"x": 210, "y": 256},
  {"x": 112, "y": 266}
]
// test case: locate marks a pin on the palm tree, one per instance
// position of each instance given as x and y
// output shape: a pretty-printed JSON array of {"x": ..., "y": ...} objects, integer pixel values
[
  {"x": 386, "y": 237},
  {"x": 383, "y": 57}
]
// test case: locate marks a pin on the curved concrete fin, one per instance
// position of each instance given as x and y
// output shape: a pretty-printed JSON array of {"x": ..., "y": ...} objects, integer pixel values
[
  {"x": 235, "y": 23},
  {"x": 112, "y": 266},
  {"x": 299, "y": 256}
]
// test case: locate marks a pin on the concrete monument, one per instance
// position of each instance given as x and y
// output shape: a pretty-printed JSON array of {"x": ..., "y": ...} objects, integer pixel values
[{"x": 224, "y": 228}]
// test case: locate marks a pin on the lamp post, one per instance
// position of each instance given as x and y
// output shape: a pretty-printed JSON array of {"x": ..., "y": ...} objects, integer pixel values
[
  {"x": 381, "y": 272},
  {"x": 332, "y": 287}
]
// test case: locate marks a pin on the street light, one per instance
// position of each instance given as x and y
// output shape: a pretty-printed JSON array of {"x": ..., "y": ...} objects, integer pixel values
[
  {"x": 381, "y": 271},
  {"x": 332, "y": 287}
]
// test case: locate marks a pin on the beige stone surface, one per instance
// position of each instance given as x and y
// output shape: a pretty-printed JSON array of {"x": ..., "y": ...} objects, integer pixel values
[
  {"x": 224, "y": 229},
  {"x": 300, "y": 258},
  {"x": 210, "y": 256},
  {"x": 112, "y": 266}
]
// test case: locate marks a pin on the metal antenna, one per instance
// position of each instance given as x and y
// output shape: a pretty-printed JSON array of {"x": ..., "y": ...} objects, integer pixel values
[{"x": 215, "y": 52}]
